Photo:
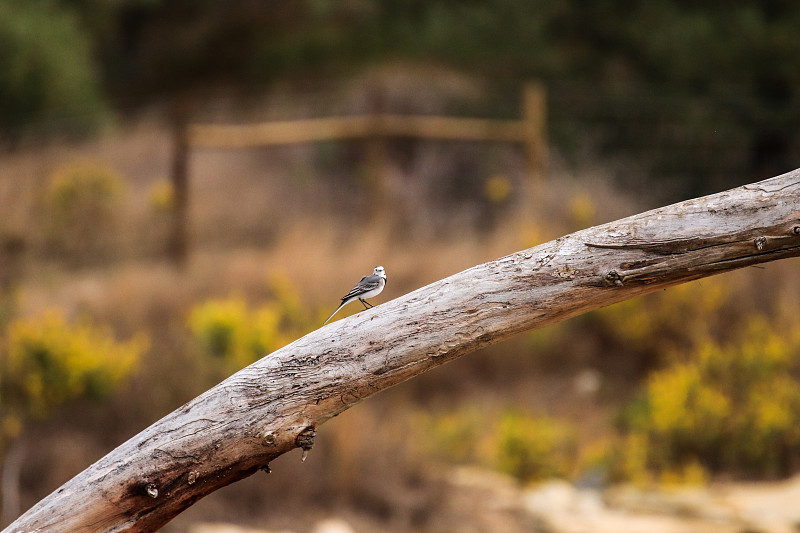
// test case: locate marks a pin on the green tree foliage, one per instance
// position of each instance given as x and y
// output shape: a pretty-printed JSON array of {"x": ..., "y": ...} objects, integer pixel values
[
  {"x": 48, "y": 79},
  {"x": 58, "y": 51}
]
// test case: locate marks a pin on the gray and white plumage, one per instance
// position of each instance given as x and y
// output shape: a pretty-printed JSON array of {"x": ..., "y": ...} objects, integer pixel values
[{"x": 368, "y": 287}]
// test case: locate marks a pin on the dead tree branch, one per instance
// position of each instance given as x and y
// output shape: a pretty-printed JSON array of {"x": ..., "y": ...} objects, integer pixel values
[{"x": 276, "y": 404}]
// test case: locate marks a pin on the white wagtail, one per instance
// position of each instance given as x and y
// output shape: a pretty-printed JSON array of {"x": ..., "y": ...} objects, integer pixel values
[{"x": 368, "y": 287}]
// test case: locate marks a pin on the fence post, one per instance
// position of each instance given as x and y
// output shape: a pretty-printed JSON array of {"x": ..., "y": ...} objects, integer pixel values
[
  {"x": 12, "y": 249},
  {"x": 534, "y": 109}
]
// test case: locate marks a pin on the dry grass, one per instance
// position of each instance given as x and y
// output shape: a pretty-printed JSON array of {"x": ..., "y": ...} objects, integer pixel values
[{"x": 255, "y": 214}]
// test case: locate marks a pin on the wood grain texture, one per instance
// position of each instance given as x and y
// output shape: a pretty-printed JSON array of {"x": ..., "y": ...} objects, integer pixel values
[{"x": 275, "y": 404}]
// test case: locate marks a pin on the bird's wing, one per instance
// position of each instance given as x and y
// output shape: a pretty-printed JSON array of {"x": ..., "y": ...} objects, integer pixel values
[{"x": 366, "y": 284}]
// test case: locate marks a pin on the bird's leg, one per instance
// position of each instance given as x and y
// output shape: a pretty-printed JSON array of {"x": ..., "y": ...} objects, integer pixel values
[{"x": 365, "y": 303}]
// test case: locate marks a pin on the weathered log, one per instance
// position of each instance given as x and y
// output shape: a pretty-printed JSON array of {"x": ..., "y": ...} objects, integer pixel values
[{"x": 276, "y": 404}]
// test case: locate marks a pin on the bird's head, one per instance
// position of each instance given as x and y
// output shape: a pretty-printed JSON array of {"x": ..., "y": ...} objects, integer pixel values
[{"x": 379, "y": 271}]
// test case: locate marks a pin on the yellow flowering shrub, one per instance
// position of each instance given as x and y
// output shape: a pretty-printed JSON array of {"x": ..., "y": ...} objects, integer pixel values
[
  {"x": 80, "y": 207},
  {"x": 227, "y": 328},
  {"x": 730, "y": 406},
  {"x": 162, "y": 197},
  {"x": 455, "y": 436},
  {"x": 220, "y": 325},
  {"x": 528, "y": 448},
  {"x": 668, "y": 318},
  {"x": 83, "y": 184},
  {"x": 497, "y": 188},
  {"x": 581, "y": 210},
  {"x": 50, "y": 361},
  {"x": 285, "y": 300},
  {"x": 534, "y": 448}
]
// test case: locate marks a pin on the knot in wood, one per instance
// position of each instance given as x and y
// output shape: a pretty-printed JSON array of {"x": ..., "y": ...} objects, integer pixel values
[
  {"x": 269, "y": 439},
  {"x": 760, "y": 242},
  {"x": 151, "y": 490},
  {"x": 614, "y": 278},
  {"x": 305, "y": 439},
  {"x": 796, "y": 230}
]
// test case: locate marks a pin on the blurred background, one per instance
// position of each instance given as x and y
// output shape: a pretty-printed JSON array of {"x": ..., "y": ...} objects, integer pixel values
[{"x": 186, "y": 186}]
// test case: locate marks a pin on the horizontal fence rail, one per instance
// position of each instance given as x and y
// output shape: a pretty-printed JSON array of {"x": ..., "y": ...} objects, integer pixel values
[{"x": 353, "y": 127}]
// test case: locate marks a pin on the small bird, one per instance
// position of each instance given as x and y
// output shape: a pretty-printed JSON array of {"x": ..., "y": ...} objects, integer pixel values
[{"x": 368, "y": 287}]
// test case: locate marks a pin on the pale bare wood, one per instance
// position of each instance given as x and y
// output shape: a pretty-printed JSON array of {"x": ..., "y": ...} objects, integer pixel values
[
  {"x": 463, "y": 129},
  {"x": 535, "y": 127},
  {"x": 358, "y": 126},
  {"x": 275, "y": 405},
  {"x": 277, "y": 132}
]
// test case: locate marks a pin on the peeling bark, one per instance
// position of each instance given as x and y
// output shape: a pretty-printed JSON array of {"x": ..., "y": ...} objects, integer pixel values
[{"x": 276, "y": 404}]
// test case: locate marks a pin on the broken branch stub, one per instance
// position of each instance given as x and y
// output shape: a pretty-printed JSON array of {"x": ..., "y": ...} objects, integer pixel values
[{"x": 276, "y": 404}]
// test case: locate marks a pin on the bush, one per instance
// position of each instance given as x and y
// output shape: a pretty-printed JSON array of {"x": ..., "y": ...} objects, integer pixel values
[
  {"x": 457, "y": 437},
  {"x": 219, "y": 325},
  {"x": 727, "y": 406},
  {"x": 81, "y": 207},
  {"x": 668, "y": 319},
  {"x": 528, "y": 448},
  {"x": 49, "y": 361},
  {"x": 228, "y": 329},
  {"x": 532, "y": 449},
  {"x": 162, "y": 197}
]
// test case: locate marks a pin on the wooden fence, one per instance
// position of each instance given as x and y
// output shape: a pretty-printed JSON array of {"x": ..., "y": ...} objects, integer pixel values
[
  {"x": 530, "y": 130},
  {"x": 375, "y": 128}
]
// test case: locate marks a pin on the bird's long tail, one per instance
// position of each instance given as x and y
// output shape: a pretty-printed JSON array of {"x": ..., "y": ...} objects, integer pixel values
[{"x": 337, "y": 310}]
